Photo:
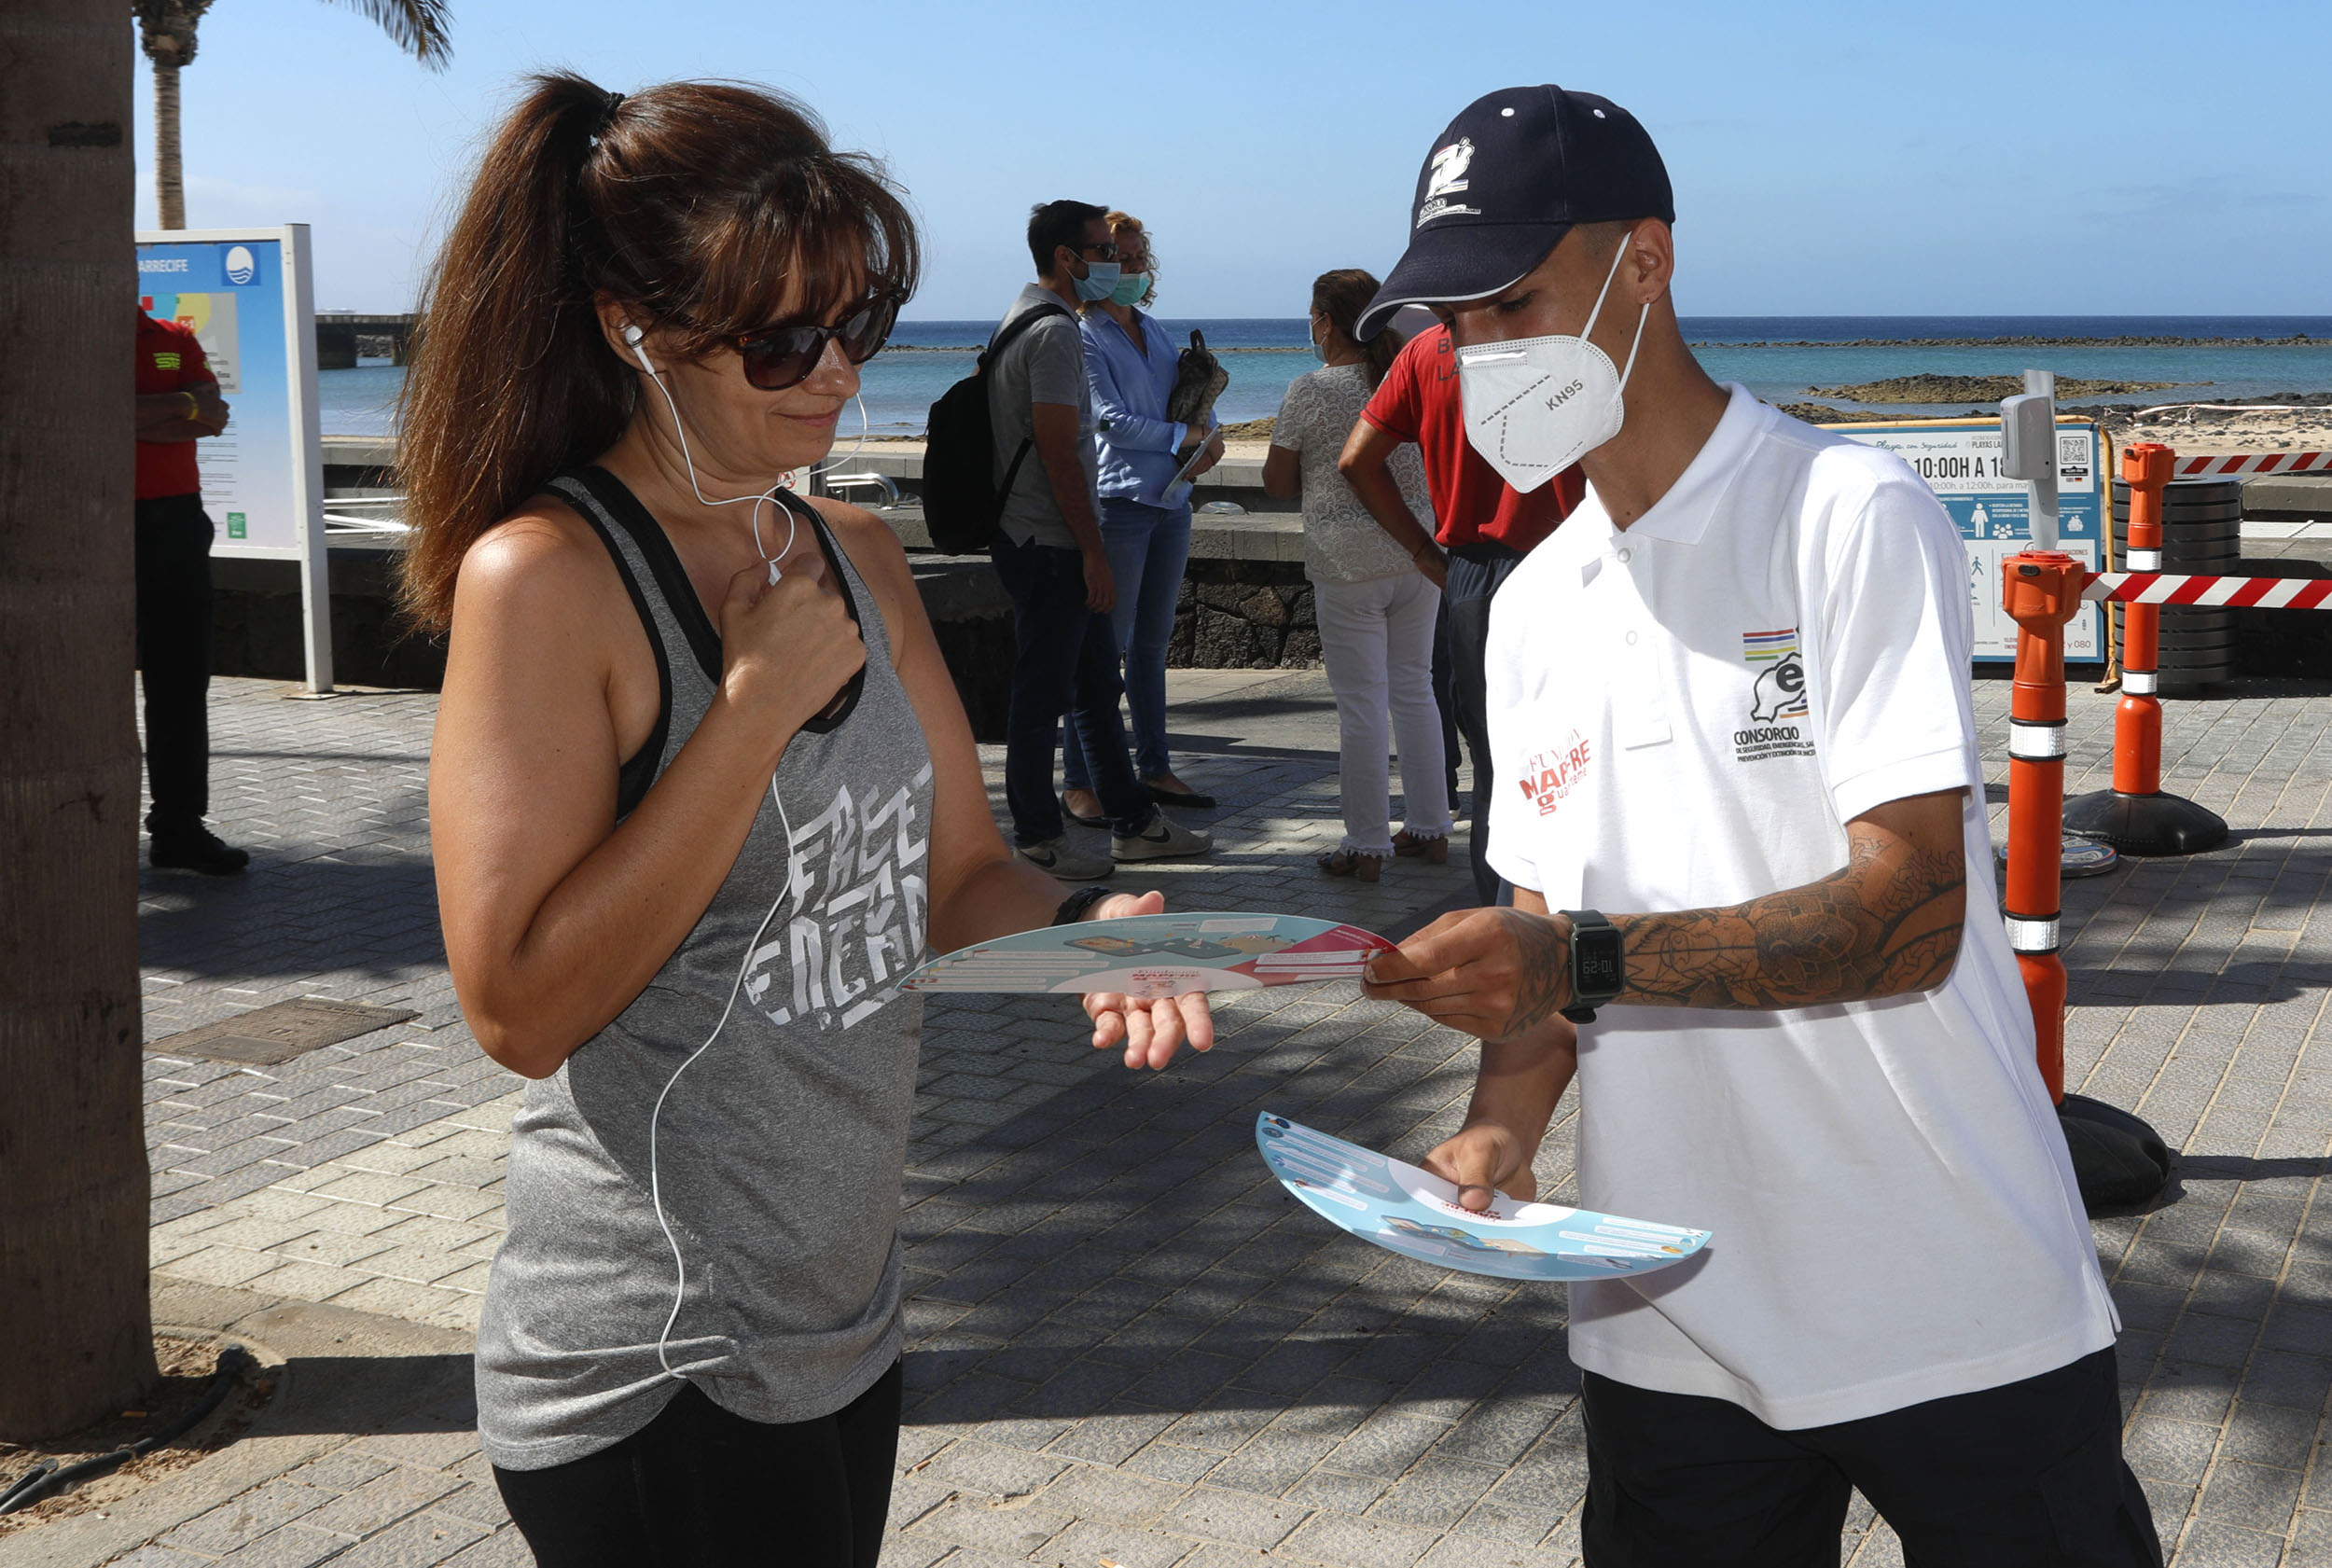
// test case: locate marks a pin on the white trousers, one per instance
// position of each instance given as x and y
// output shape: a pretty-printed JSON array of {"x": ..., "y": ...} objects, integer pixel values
[{"x": 1377, "y": 638}]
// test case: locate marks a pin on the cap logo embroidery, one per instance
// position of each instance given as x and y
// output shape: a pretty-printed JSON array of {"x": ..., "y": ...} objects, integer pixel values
[
  {"x": 1448, "y": 167},
  {"x": 1446, "y": 178}
]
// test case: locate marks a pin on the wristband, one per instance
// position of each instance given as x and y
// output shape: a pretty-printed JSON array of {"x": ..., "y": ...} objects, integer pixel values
[
  {"x": 1072, "y": 909},
  {"x": 194, "y": 405}
]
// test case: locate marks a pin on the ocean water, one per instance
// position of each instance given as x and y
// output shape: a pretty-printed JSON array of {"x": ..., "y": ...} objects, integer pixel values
[{"x": 1779, "y": 358}]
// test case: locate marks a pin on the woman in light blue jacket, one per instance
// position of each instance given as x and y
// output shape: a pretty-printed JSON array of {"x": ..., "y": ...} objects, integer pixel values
[{"x": 1146, "y": 519}]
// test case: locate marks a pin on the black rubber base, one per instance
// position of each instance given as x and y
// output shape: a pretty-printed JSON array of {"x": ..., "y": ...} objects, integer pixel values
[
  {"x": 2116, "y": 1158},
  {"x": 2146, "y": 823}
]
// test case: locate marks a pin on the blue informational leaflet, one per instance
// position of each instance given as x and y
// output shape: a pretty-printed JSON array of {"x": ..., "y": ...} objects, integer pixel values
[
  {"x": 1150, "y": 956},
  {"x": 1417, "y": 1214}
]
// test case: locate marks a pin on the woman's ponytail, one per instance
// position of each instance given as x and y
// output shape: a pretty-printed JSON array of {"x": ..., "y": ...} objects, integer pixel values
[{"x": 508, "y": 373}]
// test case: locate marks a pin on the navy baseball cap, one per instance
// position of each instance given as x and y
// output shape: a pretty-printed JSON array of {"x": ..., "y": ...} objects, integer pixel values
[{"x": 1509, "y": 178}]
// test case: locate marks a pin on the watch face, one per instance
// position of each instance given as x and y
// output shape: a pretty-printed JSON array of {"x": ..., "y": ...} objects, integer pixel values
[{"x": 1595, "y": 968}]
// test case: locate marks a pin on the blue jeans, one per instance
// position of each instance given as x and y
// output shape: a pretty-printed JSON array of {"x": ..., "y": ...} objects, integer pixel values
[
  {"x": 1149, "y": 546},
  {"x": 1064, "y": 664}
]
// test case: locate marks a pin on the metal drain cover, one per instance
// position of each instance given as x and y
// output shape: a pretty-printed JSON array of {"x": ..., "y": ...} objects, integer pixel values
[{"x": 276, "y": 1033}]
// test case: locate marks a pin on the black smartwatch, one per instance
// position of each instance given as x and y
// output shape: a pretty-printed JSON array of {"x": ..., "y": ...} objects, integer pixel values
[
  {"x": 1078, "y": 904},
  {"x": 1597, "y": 967}
]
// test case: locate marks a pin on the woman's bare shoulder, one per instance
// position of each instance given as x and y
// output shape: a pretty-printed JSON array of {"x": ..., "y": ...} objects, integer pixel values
[
  {"x": 542, "y": 558},
  {"x": 872, "y": 547}
]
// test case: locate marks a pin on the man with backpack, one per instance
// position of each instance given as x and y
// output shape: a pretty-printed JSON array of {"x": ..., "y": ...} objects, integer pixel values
[{"x": 1046, "y": 545}]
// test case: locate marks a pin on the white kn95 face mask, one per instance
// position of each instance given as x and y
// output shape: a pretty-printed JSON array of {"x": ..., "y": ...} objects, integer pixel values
[{"x": 1535, "y": 406}]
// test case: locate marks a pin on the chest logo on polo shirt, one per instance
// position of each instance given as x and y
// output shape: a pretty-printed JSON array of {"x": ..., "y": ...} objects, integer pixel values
[
  {"x": 1777, "y": 698},
  {"x": 166, "y": 361},
  {"x": 1549, "y": 777}
]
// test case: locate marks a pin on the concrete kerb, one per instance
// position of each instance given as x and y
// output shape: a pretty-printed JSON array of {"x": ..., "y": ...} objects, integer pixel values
[{"x": 323, "y": 1400}]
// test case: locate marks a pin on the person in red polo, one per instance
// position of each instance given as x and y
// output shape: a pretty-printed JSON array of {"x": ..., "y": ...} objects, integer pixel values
[
  {"x": 179, "y": 405},
  {"x": 1487, "y": 527}
]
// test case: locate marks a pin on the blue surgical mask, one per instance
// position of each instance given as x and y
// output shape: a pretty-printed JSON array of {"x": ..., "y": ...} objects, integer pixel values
[
  {"x": 1129, "y": 289},
  {"x": 1100, "y": 281}
]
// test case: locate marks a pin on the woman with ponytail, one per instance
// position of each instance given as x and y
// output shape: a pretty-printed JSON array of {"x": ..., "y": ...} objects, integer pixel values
[
  {"x": 702, "y": 796},
  {"x": 1375, "y": 605}
]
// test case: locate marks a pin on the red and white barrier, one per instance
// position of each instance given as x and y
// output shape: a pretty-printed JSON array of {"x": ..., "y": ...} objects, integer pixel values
[
  {"x": 2222, "y": 467},
  {"x": 2240, "y": 593}
]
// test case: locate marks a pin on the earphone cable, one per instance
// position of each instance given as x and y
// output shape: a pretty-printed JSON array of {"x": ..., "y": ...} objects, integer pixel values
[{"x": 655, "y": 1179}]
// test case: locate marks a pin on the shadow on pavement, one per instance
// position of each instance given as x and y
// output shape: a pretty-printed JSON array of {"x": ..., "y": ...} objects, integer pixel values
[{"x": 296, "y": 918}]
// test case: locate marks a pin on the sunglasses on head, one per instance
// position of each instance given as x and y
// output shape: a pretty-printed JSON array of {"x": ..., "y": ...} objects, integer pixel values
[{"x": 783, "y": 355}]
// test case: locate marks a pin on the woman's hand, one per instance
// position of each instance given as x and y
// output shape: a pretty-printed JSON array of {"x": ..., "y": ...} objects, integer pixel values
[
  {"x": 1213, "y": 455},
  {"x": 788, "y": 647},
  {"x": 1151, "y": 1032}
]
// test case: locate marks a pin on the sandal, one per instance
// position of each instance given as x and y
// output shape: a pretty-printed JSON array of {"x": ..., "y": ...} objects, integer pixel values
[
  {"x": 1344, "y": 863},
  {"x": 1434, "y": 851}
]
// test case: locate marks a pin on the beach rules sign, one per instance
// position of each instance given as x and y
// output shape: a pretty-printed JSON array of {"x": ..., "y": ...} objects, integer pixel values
[{"x": 1963, "y": 463}]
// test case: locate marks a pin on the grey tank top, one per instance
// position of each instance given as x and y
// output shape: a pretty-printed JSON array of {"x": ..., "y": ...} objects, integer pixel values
[{"x": 780, "y": 1149}]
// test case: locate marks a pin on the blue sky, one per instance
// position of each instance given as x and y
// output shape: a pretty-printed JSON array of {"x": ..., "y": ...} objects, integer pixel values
[{"x": 2042, "y": 157}]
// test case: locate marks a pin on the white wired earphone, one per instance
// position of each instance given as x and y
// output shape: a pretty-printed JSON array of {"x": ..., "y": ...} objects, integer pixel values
[
  {"x": 632, "y": 335},
  {"x": 631, "y": 339}
]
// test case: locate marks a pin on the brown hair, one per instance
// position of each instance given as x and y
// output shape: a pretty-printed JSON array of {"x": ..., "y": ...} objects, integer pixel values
[
  {"x": 1118, "y": 219},
  {"x": 700, "y": 206},
  {"x": 1341, "y": 295}
]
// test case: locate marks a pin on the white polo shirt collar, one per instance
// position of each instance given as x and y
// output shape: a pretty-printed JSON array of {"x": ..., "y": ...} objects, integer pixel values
[{"x": 1682, "y": 516}]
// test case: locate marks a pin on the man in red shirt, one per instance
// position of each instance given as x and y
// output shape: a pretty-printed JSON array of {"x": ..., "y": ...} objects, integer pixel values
[
  {"x": 1486, "y": 525},
  {"x": 178, "y": 404}
]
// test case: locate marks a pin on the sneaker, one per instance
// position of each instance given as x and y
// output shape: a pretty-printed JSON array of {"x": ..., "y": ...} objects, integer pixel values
[
  {"x": 1164, "y": 839},
  {"x": 198, "y": 851},
  {"x": 1054, "y": 855}
]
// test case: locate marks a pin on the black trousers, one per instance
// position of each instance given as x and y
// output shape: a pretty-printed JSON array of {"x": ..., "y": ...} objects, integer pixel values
[
  {"x": 700, "y": 1488},
  {"x": 174, "y": 657},
  {"x": 2028, "y": 1475},
  {"x": 1443, "y": 700},
  {"x": 1476, "y": 571},
  {"x": 1067, "y": 665}
]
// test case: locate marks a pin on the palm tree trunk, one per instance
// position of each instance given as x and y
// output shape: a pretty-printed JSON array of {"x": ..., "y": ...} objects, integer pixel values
[
  {"x": 73, "y": 1313},
  {"x": 170, "y": 191}
]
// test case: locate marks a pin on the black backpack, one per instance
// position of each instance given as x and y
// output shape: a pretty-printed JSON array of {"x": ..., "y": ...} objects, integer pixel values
[{"x": 961, "y": 497}]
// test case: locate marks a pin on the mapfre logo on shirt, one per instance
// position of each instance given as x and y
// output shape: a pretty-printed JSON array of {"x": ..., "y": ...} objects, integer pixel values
[
  {"x": 1549, "y": 777},
  {"x": 1777, "y": 698}
]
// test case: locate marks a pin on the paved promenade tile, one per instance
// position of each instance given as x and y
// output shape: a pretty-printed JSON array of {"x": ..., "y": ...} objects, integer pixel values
[{"x": 1126, "y": 1344}]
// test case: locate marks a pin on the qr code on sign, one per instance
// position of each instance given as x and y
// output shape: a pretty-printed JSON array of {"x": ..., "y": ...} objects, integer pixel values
[{"x": 2072, "y": 462}]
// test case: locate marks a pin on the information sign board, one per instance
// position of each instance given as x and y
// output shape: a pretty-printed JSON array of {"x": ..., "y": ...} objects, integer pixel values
[
  {"x": 1961, "y": 459},
  {"x": 248, "y": 295}
]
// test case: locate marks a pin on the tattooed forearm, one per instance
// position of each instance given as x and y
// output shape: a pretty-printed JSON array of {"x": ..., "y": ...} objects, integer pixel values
[{"x": 1886, "y": 923}]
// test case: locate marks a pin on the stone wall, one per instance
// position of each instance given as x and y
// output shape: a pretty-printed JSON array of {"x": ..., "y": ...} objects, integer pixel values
[{"x": 1245, "y": 615}]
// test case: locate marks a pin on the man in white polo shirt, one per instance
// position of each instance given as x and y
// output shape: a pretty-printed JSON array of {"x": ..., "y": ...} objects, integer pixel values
[{"x": 1730, "y": 695}]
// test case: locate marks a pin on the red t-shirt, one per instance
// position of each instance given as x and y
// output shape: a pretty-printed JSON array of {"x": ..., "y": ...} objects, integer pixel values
[
  {"x": 169, "y": 360},
  {"x": 1418, "y": 401}
]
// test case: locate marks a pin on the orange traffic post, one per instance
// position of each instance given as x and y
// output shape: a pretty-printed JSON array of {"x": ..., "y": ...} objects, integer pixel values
[
  {"x": 2136, "y": 816},
  {"x": 2117, "y": 1158},
  {"x": 2041, "y": 591}
]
